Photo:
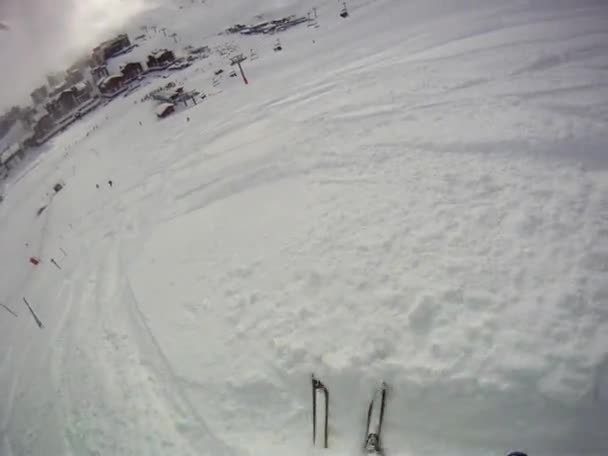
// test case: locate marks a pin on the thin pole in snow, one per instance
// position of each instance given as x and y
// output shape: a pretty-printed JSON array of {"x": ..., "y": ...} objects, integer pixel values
[
  {"x": 314, "y": 410},
  {"x": 9, "y": 310},
  {"x": 38, "y": 322},
  {"x": 55, "y": 263},
  {"x": 243, "y": 74}
]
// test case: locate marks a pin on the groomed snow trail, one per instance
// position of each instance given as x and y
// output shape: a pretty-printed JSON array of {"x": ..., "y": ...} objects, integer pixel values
[{"x": 419, "y": 196}]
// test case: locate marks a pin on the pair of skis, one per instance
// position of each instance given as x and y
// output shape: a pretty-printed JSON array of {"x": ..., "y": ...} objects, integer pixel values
[{"x": 375, "y": 415}]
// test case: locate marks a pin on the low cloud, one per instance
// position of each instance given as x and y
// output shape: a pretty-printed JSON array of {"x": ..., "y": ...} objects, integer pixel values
[{"x": 39, "y": 36}]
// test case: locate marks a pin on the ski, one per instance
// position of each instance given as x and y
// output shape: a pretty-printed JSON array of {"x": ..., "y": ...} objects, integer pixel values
[
  {"x": 375, "y": 415},
  {"x": 319, "y": 394}
]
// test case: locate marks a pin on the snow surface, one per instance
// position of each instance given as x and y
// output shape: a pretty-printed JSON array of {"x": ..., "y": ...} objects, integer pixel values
[{"x": 418, "y": 196}]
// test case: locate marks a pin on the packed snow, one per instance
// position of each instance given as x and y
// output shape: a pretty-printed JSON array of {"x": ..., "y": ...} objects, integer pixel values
[{"x": 416, "y": 194}]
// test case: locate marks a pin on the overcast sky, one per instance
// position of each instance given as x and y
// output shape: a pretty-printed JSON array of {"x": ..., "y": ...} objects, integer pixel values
[{"x": 41, "y": 35}]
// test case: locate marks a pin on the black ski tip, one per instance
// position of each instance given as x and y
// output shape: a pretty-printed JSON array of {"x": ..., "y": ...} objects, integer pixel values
[
  {"x": 317, "y": 384},
  {"x": 517, "y": 453}
]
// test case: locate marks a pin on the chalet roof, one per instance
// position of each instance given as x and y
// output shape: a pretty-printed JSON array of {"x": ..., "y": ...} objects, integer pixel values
[
  {"x": 163, "y": 107},
  {"x": 125, "y": 65},
  {"x": 159, "y": 53},
  {"x": 105, "y": 43},
  {"x": 9, "y": 151},
  {"x": 108, "y": 79},
  {"x": 81, "y": 86}
]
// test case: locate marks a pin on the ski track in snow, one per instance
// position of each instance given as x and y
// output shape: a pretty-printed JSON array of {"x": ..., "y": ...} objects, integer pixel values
[{"x": 430, "y": 209}]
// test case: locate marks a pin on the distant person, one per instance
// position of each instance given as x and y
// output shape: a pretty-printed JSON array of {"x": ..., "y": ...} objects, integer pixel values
[
  {"x": 110, "y": 183},
  {"x": 97, "y": 186}
]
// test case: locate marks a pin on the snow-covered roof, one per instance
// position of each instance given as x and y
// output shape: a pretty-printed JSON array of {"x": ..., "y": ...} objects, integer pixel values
[
  {"x": 126, "y": 64},
  {"x": 9, "y": 152},
  {"x": 80, "y": 86},
  {"x": 162, "y": 108},
  {"x": 159, "y": 52},
  {"x": 108, "y": 79}
]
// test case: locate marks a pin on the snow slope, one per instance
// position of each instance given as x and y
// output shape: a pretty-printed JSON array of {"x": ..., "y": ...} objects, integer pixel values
[{"x": 420, "y": 195}]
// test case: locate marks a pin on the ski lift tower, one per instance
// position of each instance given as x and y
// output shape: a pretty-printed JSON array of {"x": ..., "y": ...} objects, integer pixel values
[{"x": 237, "y": 60}]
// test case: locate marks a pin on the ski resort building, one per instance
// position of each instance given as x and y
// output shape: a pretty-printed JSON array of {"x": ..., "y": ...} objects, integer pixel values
[
  {"x": 44, "y": 125},
  {"x": 111, "y": 48},
  {"x": 11, "y": 155},
  {"x": 131, "y": 71},
  {"x": 165, "y": 109},
  {"x": 54, "y": 80},
  {"x": 68, "y": 100},
  {"x": 99, "y": 72},
  {"x": 74, "y": 76},
  {"x": 39, "y": 95},
  {"x": 160, "y": 59},
  {"x": 111, "y": 85}
]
